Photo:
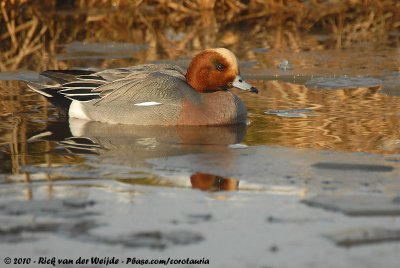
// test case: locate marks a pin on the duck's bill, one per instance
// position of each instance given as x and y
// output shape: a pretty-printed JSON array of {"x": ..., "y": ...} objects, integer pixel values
[{"x": 243, "y": 85}]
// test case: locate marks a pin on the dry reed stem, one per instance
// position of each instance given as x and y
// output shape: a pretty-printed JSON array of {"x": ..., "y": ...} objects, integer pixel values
[{"x": 9, "y": 23}]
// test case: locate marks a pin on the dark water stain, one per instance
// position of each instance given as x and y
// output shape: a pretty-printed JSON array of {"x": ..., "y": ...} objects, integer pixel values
[
  {"x": 364, "y": 236},
  {"x": 353, "y": 167},
  {"x": 14, "y": 228},
  {"x": 54, "y": 208},
  {"x": 199, "y": 218},
  {"x": 279, "y": 220},
  {"x": 356, "y": 205},
  {"x": 152, "y": 239},
  {"x": 20, "y": 232},
  {"x": 194, "y": 219},
  {"x": 274, "y": 248},
  {"x": 17, "y": 233}
]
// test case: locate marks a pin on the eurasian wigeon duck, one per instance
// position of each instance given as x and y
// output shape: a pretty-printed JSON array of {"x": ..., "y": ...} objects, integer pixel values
[{"x": 153, "y": 94}]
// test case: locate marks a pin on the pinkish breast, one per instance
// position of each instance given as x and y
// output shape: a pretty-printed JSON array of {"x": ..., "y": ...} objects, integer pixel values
[{"x": 218, "y": 108}]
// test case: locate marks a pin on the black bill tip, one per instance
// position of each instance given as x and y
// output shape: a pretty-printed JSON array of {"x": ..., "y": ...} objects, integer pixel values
[{"x": 254, "y": 90}]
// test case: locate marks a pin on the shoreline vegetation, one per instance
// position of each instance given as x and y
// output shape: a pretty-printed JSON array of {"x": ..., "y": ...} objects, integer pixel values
[{"x": 32, "y": 33}]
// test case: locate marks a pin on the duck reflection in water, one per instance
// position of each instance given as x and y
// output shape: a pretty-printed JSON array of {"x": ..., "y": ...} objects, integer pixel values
[
  {"x": 208, "y": 182},
  {"x": 133, "y": 146}
]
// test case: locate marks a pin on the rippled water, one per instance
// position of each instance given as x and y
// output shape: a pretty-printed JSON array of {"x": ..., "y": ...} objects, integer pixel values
[
  {"x": 358, "y": 119},
  {"x": 355, "y": 105}
]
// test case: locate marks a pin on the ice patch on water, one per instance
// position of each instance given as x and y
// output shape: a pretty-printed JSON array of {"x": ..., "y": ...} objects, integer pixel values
[
  {"x": 343, "y": 82},
  {"x": 306, "y": 112},
  {"x": 238, "y": 146},
  {"x": 285, "y": 65}
]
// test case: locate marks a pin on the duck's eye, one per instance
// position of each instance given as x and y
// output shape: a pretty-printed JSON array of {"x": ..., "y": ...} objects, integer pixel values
[{"x": 220, "y": 67}]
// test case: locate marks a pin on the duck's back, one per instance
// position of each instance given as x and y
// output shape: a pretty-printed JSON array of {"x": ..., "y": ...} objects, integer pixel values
[{"x": 142, "y": 98}]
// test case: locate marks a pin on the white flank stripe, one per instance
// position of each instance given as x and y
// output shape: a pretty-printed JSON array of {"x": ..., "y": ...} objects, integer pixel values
[
  {"x": 148, "y": 103},
  {"x": 75, "y": 88},
  {"x": 80, "y": 94},
  {"x": 91, "y": 80}
]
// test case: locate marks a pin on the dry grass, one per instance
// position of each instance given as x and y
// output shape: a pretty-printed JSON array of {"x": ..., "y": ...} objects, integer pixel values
[{"x": 31, "y": 34}]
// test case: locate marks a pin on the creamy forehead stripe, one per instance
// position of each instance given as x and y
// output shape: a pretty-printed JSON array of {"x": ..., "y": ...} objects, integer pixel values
[{"x": 228, "y": 55}]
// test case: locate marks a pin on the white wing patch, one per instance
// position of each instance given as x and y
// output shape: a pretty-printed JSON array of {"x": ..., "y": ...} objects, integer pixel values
[{"x": 148, "y": 103}]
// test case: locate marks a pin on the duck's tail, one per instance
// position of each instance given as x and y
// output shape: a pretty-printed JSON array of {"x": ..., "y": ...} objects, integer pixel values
[
  {"x": 52, "y": 94},
  {"x": 44, "y": 90},
  {"x": 69, "y": 85}
]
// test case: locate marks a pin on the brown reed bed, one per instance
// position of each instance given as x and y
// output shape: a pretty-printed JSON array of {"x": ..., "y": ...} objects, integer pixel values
[{"x": 31, "y": 33}]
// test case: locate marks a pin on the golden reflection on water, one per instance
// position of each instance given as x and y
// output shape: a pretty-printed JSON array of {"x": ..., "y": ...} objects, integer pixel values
[{"x": 357, "y": 120}]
